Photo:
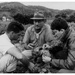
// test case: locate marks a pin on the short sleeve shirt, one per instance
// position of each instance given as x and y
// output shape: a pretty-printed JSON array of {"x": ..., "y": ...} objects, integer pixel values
[{"x": 5, "y": 43}]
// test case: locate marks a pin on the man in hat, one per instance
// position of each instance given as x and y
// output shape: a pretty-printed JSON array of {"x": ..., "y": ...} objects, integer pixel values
[
  {"x": 37, "y": 34},
  {"x": 9, "y": 54}
]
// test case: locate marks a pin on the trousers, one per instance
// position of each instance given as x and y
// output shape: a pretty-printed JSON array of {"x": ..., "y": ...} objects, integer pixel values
[{"x": 8, "y": 63}]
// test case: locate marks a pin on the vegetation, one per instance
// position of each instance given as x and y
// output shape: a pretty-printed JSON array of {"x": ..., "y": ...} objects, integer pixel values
[{"x": 23, "y": 13}]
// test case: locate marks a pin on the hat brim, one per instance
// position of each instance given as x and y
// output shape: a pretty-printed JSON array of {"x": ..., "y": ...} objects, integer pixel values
[{"x": 37, "y": 18}]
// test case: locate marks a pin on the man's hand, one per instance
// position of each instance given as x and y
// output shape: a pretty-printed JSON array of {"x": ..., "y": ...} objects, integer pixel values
[
  {"x": 37, "y": 49},
  {"x": 45, "y": 46},
  {"x": 19, "y": 47},
  {"x": 46, "y": 53},
  {"x": 46, "y": 59},
  {"x": 31, "y": 66},
  {"x": 30, "y": 45}
]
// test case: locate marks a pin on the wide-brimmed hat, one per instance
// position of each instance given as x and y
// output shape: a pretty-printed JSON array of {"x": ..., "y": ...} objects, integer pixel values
[{"x": 38, "y": 16}]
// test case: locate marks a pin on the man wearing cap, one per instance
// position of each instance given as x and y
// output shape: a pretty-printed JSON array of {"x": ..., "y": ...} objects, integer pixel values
[
  {"x": 9, "y": 54},
  {"x": 37, "y": 34}
]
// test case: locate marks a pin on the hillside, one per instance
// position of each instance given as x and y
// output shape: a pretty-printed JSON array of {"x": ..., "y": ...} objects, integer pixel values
[{"x": 17, "y": 7}]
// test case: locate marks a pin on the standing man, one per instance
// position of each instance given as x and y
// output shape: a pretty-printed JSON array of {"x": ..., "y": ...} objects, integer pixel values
[{"x": 9, "y": 54}]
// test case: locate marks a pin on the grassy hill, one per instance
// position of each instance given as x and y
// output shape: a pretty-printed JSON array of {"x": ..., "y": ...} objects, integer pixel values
[
  {"x": 17, "y": 7},
  {"x": 13, "y": 8}
]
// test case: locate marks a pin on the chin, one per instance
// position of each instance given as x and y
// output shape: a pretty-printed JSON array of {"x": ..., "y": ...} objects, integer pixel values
[{"x": 37, "y": 28}]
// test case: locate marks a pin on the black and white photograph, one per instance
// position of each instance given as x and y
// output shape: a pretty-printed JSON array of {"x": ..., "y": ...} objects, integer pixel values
[{"x": 37, "y": 37}]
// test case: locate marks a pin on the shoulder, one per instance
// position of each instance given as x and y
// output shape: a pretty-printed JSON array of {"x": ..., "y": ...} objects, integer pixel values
[
  {"x": 30, "y": 27},
  {"x": 72, "y": 34},
  {"x": 4, "y": 36},
  {"x": 47, "y": 26}
]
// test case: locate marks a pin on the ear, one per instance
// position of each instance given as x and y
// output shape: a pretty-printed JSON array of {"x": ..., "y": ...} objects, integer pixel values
[{"x": 11, "y": 33}]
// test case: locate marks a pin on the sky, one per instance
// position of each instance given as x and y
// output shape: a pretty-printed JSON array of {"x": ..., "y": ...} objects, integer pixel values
[{"x": 53, "y": 5}]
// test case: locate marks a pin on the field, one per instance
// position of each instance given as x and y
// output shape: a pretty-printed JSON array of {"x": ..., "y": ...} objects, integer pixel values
[{"x": 20, "y": 68}]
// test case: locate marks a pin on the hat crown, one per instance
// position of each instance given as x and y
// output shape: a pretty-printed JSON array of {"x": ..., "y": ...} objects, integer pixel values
[{"x": 38, "y": 16}]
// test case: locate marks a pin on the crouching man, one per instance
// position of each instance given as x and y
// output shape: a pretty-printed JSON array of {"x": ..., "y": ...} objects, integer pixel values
[{"x": 9, "y": 54}]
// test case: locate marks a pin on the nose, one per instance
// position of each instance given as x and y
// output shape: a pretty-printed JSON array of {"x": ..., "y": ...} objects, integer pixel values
[{"x": 36, "y": 23}]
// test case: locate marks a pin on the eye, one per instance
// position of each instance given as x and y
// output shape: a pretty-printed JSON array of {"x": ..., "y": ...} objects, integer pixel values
[{"x": 38, "y": 21}]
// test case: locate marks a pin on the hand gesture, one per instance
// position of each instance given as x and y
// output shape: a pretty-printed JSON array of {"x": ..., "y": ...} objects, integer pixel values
[
  {"x": 45, "y": 52},
  {"x": 31, "y": 66},
  {"x": 46, "y": 59},
  {"x": 37, "y": 49},
  {"x": 31, "y": 46},
  {"x": 45, "y": 46}
]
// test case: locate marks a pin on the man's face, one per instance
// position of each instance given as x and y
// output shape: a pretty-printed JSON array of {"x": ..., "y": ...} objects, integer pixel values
[
  {"x": 14, "y": 36},
  {"x": 54, "y": 31},
  {"x": 38, "y": 23}
]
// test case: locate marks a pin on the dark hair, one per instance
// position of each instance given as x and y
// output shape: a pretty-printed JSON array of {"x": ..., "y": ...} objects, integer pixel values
[
  {"x": 59, "y": 23},
  {"x": 15, "y": 27}
]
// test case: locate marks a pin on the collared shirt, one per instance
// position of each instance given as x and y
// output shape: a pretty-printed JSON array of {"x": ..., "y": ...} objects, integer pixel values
[
  {"x": 5, "y": 43},
  {"x": 44, "y": 36}
]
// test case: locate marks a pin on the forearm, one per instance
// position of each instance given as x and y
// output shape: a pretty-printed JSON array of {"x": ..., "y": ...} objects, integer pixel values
[
  {"x": 64, "y": 64},
  {"x": 25, "y": 61},
  {"x": 58, "y": 63},
  {"x": 24, "y": 45}
]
